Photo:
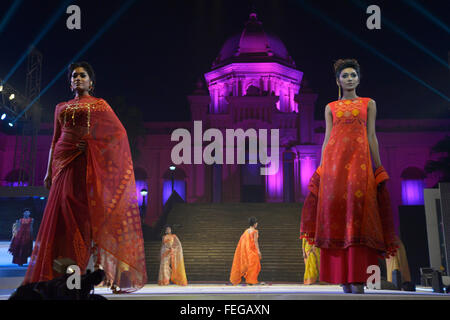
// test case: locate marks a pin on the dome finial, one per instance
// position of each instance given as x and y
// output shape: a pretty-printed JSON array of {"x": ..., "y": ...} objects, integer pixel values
[
  {"x": 253, "y": 14},
  {"x": 199, "y": 88}
]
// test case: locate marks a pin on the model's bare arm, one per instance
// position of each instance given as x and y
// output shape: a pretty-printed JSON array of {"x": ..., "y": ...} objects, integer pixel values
[
  {"x": 371, "y": 135},
  {"x": 56, "y": 135},
  {"x": 329, "y": 126}
]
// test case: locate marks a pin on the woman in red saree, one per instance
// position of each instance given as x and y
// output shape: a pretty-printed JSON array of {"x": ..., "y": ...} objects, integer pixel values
[
  {"x": 247, "y": 257},
  {"x": 92, "y": 209},
  {"x": 22, "y": 242},
  {"x": 172, "y": 262},
  {"x": 347, "y": 212}
]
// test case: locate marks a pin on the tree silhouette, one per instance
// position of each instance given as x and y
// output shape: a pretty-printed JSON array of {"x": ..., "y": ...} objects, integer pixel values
[{"x": 442, "y": 165}]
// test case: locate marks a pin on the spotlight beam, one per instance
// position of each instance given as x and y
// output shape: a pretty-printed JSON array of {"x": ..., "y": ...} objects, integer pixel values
[
  {"x": 99, "y": 33},
  {"x": 418, "y": 7},
  {"x": 8, "y": 15},
  {"x": 404, "y": 35},
  {"x": 41, "y": 35},
  {"x": 370, "y": 48}
]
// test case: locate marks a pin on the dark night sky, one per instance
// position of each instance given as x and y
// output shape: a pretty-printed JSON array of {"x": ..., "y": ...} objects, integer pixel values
[{"x": 155, "y": 52}]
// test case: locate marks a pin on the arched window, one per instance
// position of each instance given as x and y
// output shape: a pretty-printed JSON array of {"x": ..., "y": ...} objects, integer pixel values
[
  {"x": 412, "y": 186},
  {"x": 141, "y": 183}
]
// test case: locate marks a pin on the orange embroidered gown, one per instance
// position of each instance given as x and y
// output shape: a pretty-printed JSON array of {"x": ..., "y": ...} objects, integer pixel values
[
  {"x": 92, "y": 207},
  {"x": 246, "y": 262},
  {"x": 342, "y": 210}
]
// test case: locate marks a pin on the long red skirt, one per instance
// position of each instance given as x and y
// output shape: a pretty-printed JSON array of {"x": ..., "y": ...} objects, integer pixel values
[
  {"x": 22, "y": 244},
  {"x": 65, "y": 231},
  {"x": 342, "y": 266}
]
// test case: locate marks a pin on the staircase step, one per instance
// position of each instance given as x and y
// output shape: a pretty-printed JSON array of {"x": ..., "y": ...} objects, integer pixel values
[{"x": 209, "y": 234}]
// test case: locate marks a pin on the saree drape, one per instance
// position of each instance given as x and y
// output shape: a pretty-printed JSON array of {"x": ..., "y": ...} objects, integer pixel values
[
  {"x": 347, "y": 203},
  {"x": 22, "y": 243},
  {"x": 398, "y": 262},
  {"x": 246, "y": 262},
  {"x": 172, "y": 262},
  {"x": 311, "y": 257},
  {"x": 92, "y": 207}
]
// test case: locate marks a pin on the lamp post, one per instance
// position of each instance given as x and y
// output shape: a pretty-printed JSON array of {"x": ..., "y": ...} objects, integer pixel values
[
  {"x": 172, "y": 169},
  {"x": 144, "y": 193}
]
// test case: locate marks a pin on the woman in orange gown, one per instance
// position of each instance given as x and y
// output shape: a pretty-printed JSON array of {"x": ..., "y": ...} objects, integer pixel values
[
  {"x": 171, "y": 267},
  {"x": 347, "y": 212},
  {"x": 92, "y": 208},
  {"x": 247, "y": 257}
]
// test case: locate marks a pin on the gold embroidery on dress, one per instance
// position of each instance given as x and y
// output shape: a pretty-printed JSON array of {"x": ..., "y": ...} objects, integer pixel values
[{"x": 72, "y": 108}]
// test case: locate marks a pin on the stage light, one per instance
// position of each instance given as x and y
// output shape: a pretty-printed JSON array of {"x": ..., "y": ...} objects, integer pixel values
[
  {"x": 367, "y": 46},
  {"x": 42, "y": 198},
  {"x": 12, "y": 96},
  {"x": 426, "y": 13},
  {"x": 3, "y": 116},
  {"x": 144, "y": 192},
  {"x": 405, "y": 36},
  {"x": 102, "y": 30},
  {"x": 56, "y": 16},
  {"x": 8, "y": 16},
  {"x": 1, "y": 87},
  {"x": 172, "y": 168},
  {"x": 10, "y": 124}
]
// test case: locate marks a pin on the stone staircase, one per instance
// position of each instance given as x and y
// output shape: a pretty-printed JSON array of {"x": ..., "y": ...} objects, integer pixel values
[{"x": 209, "y": 234}]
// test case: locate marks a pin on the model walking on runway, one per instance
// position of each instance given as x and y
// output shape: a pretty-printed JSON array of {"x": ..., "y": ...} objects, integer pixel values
[
  {"x": 347, "y": 212},
  {"x": 22, "y": 242},
  {"x": 172, "y": 262},
  {"x": 247, "y": 257},
  {"x": 92, "y": 209}
]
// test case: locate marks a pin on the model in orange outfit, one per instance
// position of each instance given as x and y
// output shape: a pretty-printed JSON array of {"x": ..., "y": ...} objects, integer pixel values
[
  {"x": 246, "y": 262},
  {"x": 171, "y": 267},
  {"x": 347, "y": 213}
]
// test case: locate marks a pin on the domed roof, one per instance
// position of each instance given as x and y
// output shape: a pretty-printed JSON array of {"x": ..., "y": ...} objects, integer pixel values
[{"x": 253, "y": 44}]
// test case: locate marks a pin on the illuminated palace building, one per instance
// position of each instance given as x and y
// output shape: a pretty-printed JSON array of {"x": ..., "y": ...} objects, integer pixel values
[{"x": 253, "y": 83}]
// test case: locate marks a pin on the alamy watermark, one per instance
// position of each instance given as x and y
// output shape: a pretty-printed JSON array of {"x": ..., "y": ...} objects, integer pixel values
[
  {"x": 214, "y": 151},
  {"x": 374, "y": 281},
  {"x": 74, "y": 280},
  {"x": 74, "y": 20},
  {"x": 374, "y": 21}
]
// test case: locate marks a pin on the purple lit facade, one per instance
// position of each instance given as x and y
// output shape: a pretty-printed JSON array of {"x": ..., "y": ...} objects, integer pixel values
[{"x": 254, "y": 83}]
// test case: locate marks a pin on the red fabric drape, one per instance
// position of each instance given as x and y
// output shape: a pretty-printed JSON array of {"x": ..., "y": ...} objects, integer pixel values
[
  {"x": 345, "y": 206},
  {"x": 342, "y": 266},
  {"x": 92, "y": 207},
  {"x": 22, "y": 243}
]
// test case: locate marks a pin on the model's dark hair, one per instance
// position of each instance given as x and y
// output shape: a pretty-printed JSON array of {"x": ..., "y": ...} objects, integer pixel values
[
  {"x": 252, "y": 221},
  {"x": 86, "y": 66},
  {"x": 163, "y": 231},
  {"x": 341, "y": 64}
]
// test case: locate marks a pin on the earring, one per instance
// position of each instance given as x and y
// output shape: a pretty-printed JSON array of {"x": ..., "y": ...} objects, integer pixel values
[{"x": 339, "y": 92}]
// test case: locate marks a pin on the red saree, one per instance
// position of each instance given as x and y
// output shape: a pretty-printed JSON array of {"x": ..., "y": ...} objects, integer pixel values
[
  {"x": 92, "y": 208},
  {"x": 348, "y": 204},
  {"x": 22, "y": 243},
  {"x": 246, "y": 261}
]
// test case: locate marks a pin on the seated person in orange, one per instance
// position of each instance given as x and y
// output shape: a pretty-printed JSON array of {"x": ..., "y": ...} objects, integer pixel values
[{"x": 246, "y": 262}]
